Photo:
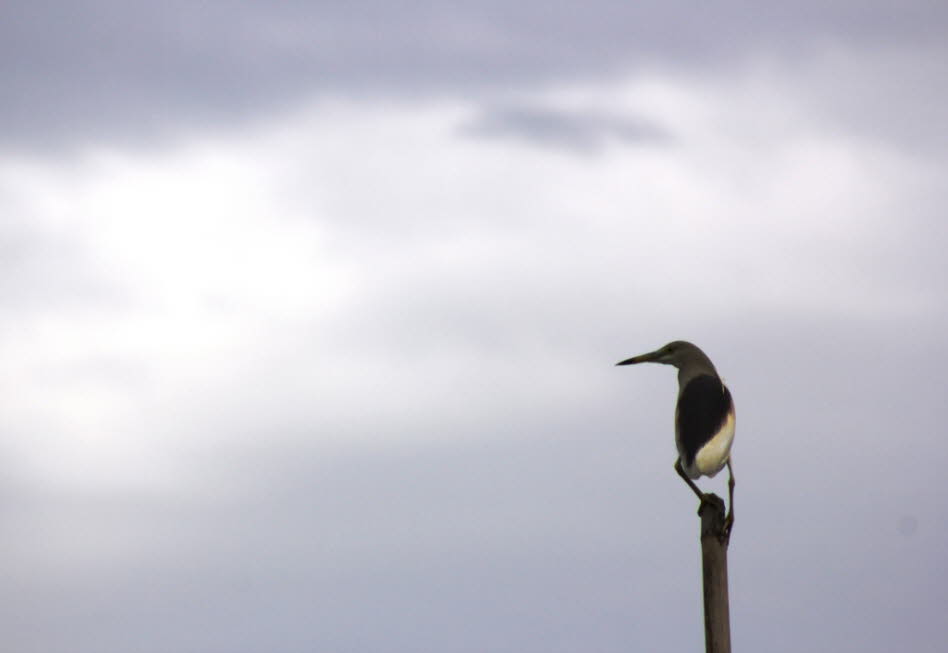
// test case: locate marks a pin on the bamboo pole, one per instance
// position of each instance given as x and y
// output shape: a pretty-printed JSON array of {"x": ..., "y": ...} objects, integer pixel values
[{"x": 714, "y": 541}]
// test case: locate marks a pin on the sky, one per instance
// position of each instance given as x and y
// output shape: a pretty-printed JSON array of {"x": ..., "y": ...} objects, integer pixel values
[{"x": 309, "y": 315}]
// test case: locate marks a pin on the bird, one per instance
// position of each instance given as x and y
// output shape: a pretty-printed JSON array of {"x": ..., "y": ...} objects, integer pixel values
[{"x": 704, "y": 417}]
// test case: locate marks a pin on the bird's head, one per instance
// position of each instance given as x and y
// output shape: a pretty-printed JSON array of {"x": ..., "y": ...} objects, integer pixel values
[{"x": 678, "y": 353}]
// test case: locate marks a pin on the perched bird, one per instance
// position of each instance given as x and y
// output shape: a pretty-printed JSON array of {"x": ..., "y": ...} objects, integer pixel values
[{"x": 704, "y": 416}]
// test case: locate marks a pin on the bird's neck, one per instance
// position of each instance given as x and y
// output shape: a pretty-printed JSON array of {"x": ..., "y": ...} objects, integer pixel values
[{"x": 695, "y": 369}]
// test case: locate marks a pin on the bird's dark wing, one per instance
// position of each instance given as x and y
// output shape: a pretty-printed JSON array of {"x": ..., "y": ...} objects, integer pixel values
[{"x": 703, "y": 406}]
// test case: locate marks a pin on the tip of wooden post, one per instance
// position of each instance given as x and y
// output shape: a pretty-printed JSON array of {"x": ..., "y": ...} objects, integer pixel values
[{"x": 712, "y": 516}]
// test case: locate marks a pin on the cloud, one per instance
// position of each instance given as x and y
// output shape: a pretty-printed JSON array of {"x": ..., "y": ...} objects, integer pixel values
[
  {"x": 347, "y": 242},
  {"x": 573, "y": 131},
  {"x": 107, "y": 71},
  {"x": 362, "y": 370}
]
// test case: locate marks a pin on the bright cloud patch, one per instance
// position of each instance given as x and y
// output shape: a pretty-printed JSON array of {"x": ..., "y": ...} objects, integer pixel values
[{"x": 275, "y": 279}]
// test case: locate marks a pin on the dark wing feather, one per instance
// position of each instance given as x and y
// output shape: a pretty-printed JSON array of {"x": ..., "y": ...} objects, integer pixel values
[{"x": 703, "y": 406}]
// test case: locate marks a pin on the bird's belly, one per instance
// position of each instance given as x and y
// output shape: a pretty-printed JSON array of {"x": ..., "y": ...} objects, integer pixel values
[{"x": 713, "y": 455}]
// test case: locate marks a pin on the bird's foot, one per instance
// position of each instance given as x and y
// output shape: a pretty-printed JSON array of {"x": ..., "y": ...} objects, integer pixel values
[{"x": 728, "y": 524}]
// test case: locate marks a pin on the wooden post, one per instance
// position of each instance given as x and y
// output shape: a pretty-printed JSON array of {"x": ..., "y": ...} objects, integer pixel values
[{"x": 714, "y": 541}]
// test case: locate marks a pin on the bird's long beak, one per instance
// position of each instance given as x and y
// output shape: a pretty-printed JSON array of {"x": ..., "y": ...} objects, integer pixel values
[{"x": 650, "y": 357}]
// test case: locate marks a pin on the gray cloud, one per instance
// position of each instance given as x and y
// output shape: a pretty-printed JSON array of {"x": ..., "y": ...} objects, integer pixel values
[
  {"x": 89, "y": 71},
  {"x": 542, "y": 536},
  {"x": 575, "y": 131}
]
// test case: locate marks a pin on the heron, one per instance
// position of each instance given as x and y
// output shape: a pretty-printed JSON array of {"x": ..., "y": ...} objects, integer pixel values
[{"x": 704, "y": 417}]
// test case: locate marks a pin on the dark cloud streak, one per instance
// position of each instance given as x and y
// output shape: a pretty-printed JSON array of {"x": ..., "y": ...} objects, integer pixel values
[{"x": 574, "y": 131}]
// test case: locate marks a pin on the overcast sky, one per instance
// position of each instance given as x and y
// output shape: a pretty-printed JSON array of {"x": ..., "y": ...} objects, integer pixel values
[{"x": 308, "y": 317}]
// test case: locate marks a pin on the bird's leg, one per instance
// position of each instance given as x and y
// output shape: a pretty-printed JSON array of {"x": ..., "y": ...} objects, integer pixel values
[
  {"x": 729, "y": 520},
  {"x": 691, "y": 484}
]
